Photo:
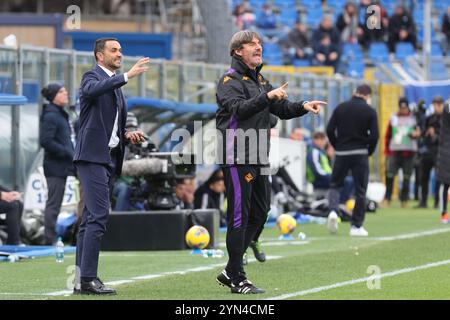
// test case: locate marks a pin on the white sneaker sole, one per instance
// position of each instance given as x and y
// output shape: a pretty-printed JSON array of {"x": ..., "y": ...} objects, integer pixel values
[{"x": 332, "y": 224}]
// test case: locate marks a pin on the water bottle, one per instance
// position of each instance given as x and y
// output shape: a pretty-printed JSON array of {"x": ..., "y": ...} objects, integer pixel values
[
  {"x": 214, "y": 253},
  {"x": 59, "y": 251}
]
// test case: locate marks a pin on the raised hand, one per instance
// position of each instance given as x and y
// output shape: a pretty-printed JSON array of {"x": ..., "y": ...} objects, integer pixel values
[
  {"x": 314, "y": 106},
  {"x": 138, "y": 68},
  {"x": 278, "y": 93}
]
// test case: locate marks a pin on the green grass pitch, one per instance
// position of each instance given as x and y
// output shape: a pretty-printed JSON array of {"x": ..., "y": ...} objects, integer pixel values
[{"x": 408, "y": 247}]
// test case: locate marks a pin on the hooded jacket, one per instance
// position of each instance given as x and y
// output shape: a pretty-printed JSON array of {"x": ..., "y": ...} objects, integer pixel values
[{"x": 242, "y": 105}]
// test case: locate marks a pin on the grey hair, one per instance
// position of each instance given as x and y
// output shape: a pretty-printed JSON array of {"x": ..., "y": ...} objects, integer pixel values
[{"x": 240, "y": 38}]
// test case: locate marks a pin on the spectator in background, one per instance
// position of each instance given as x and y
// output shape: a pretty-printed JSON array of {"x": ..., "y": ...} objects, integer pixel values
[
  {"x": 266, "y": 19},
  {"x": 362, "y": 10},
  {"x": 318, "y": 168},
  {"x": 55, "y": 138},
  {"x": 325, "y": 27},
  {"x": 211, "y": 195},
  {"x": 446, "y": 30},
  {"x": 184, "y": 194},
  {"x": 297, "y": 134},
  {"x": 11, "y": 205},
  {"x": 430, "y": 152},
  {"x": 443, "y": 163},
  {"x": 326, "y": 53},
  {"x": 401, "y": 28},
  {"x": 400, "y": 148},
  {"x": 298, "y": 44},
  {"x": 348, "y": 24},
  {"x": 244, "y": 17}
]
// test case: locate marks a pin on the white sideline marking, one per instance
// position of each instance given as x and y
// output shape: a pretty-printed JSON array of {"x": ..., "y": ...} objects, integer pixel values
[
  {"x": 278, "y": 243},
  {"x": 158, "y": 275},
  {"x": 360, "y": 280},
  {"x": 209, "y": 267},
  {"x": 413, "y": 235}
]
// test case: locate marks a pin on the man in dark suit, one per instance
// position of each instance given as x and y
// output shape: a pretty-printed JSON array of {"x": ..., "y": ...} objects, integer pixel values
[{"x": 99, "y": 154}]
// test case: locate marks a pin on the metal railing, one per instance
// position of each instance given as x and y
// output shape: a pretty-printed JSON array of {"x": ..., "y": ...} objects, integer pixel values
[{"x": 27, "y": 69}]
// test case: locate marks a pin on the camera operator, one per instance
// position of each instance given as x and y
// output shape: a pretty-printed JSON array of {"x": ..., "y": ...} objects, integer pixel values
[
  {"x": 420, "y": 114},
  {"x": 430, "y": 139}
]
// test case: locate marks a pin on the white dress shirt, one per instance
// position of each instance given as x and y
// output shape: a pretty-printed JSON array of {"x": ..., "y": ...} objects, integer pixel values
[{"x": 114, "y": 140}]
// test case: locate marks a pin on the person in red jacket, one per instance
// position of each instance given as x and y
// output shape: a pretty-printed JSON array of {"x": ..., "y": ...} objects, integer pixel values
[{"x": 400, "y": 146}]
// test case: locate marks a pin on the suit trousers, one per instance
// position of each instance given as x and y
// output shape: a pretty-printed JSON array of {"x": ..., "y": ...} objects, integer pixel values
[{"x": 97, "y": 181}]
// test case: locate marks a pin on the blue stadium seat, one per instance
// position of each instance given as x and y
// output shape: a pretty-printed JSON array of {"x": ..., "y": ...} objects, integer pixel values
[
  {"x": 269, "y": 48},
  {"x": 404, "y": 49},
  {"x": 351, "y": 50},
  {"x": 273, "y": 61},
  {"x": 420, "y": 33},
  {"x": 285, "y": 4},
  {"x": 436, "y": 49},
  {"x": 355, "y": 69},
  {"x": 289, "y": 16},
  {"x": 301, "y": 63},
  {"x": 378, "y": 51},
  {"x": 313, "y": 16},
  {"x": 310, "y": 4}
]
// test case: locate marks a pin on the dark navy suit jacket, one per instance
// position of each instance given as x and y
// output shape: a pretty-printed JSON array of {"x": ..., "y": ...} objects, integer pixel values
[{"x": 100, "y": 96}]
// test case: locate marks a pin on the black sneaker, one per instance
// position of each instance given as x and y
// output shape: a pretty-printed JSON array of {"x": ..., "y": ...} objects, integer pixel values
[
  {"x": 245, "y": 287},
  {"x": 257, "y": 251},
  {"x": 223, "y": 279}
]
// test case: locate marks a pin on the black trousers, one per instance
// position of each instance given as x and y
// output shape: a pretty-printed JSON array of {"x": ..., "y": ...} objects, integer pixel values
[
  {"x": 394, "y": 163},
  {"x": 56, "y": 187},
  {"x": 427, "y": 163},
  {"x": 248, "y": 196},
  {"x": 97, "y": 181},
  {"x": 13, "y": 212},
  {"x": 359, "y": 166},
  {"x": 443, "y": 195}
]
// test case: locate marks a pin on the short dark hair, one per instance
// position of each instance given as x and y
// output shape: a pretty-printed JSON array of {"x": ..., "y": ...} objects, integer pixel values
[
  {"x": 319, "y": 135},
  {"x": 100, "y": 45},
  {"x": 364, "y": 90}
]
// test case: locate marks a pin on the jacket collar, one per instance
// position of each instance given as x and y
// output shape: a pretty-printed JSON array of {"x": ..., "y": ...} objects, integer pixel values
[
  {"x": 101, "y": 71},
  {"x": 51, "y": 107},
  {"x": 243, "y": 69}
]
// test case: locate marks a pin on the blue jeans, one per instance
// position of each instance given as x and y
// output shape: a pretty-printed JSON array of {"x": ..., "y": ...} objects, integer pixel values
[{"x": 122, "y": 192}]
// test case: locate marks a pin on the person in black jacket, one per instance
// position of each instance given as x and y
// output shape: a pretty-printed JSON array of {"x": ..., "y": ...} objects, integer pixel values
[
  {"x": 11, "y": 205},
  {"x": 245, "y": 101},
  {"x": 443, "y": 163},
  {"x": 55, "y": 138},
  {"x": 353, "y": 132},
  {"x": 430, "y": 150},
  {"x": 446, "y": 31},
  {"x": 211, "y": 195},
  {"x": 401, "y": 28}
]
